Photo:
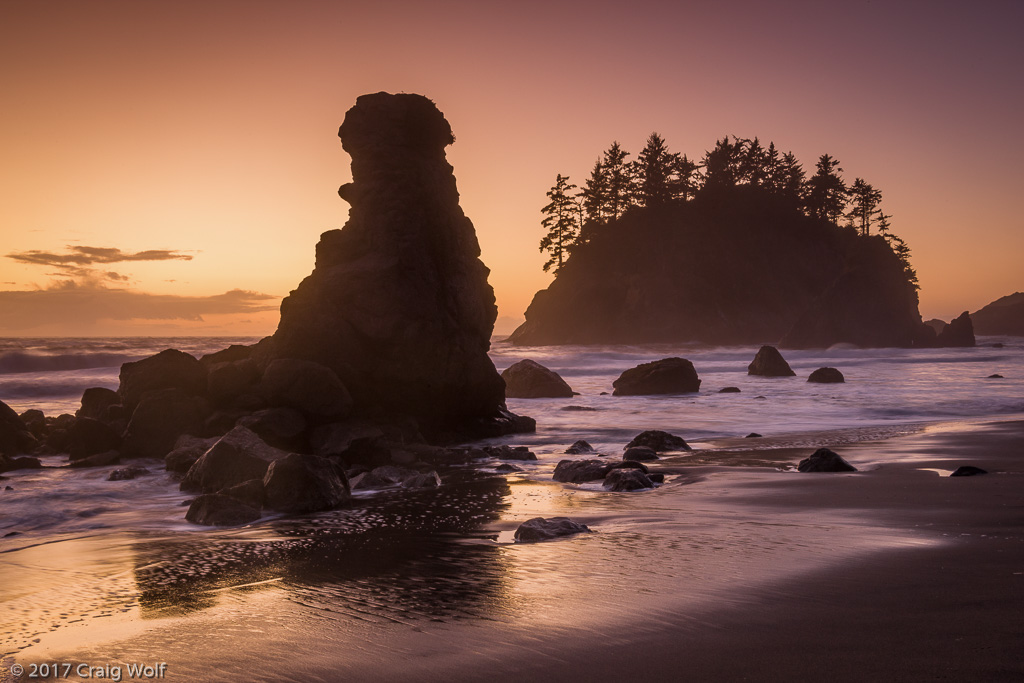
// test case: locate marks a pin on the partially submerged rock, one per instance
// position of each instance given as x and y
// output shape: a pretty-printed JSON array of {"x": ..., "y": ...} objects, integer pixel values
[
  {"x": 98, "y": 460},
  {"x": 769, "y": 363},
  {"x": 238, "y": 456},
  {"x": 96, "y": 401},
  {"x": 825, "y": 460},
  {"x": 638, "y": 453},
  {"x": 15, "y": 437},
  {"x": 127, "y": 473},
  {"x": 628, "y": 479},
  {"x": 968, "y": 471},
  {"x": 826, "y": 376},
  {"x": 666, "y": 376},
  {"x": 530, "y": 379},
  {"x": 510, "y": 452},
  {"x": 579, "y": 471},
  {"x": 659, "y": 441},
  {"x": 304, "y": 483},
  {"x": 541, "y": 529},
  {"x": 215, "y": 509},
  {"x": 729, "y": 390},
  {"x": 580, "y": 447},
  {"x": 89, "y": 437}
]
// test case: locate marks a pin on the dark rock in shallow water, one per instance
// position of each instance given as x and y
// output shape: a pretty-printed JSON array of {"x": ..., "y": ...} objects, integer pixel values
[
  {"x": 304, "y": 483},
  {"x": 530, "y": 379},
  {"x": 826, "y": 376},
  {"x": 238, "y": 456},
  {"x": 638, "y": 453},
  {"x": 398, "y": 305},
  {"x": 627, "y": 480},
  {"x": 126, "y": 473},
  {"x": 995, "y": 376},
  {"x": 342, "y": 438},
  {"x": 825, "y": 460},
  {"x": 166, "y": 370},
  {"x": 582, "y": 408},
  {"x": 98, "y": 460},
  {"x": 96, "y": 401},
  {"x": 579, "y": 471},
  {"x": 160, "y": 418},
  {"x": 656, "y": 477},
  {"x": 769, "y": 363},
  {"x": 729, "y": 390},
  {"x": 312, "y": 388},
  {"x": 580, "y": 447},
  {"x": 958, "y": 333},
  {"x": 426, "y": 480},
  {"x": 383, "y": 477},
  {"x": 214, "y": 509},
  {"x": 629, "y": 464},
  {"x": 250, "y": 492},
  {"x": 752, "y": 435},
  {"x": 508, "y": 467},
  {"x": 666, "y": 376},
  {"x": 659, "y": 441},
  {"x": 541, "y": 529},
  {"x": 510, "y": 452},
  {"x": 15, "y": 438},
  {"x": 187, "y": 449},
  {"x": 8, "y": 464},
  {"x": 89, "y": 437},
  {"x": 968, "y": 471}
]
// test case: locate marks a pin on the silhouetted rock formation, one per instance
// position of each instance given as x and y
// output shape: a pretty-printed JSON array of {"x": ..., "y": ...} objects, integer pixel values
[
  {"x": 666, "y": 376},
  {"x": 530, "y": 379},
  {"x": 968, "y": 471},
  {"x": 959, "y": 332},
  {"x": 398, "y": 305},
  {"x": 769, "y": 363},
  {"x": 826, "y": 376},
  {"x": 659, "y": 441},
  {"x": 736, "y": 266},
  {"x": 1003, "y": 316}
]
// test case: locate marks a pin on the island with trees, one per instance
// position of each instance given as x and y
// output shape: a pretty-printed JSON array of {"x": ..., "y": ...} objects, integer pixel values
[{"x": 742, "y": 246}]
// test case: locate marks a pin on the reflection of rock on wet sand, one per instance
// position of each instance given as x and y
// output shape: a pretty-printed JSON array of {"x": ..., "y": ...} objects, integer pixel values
[{"x": 394, "y": 554}]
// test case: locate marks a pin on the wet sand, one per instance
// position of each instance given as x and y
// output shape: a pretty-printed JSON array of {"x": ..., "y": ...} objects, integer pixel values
[{"x": 734, "y": 570}]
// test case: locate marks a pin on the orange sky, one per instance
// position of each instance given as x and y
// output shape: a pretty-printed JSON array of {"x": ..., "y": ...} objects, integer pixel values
[{"x": 200, "y": 138}]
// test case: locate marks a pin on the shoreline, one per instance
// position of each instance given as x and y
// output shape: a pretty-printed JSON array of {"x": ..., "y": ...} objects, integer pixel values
[{"x": 727, "y": 573}]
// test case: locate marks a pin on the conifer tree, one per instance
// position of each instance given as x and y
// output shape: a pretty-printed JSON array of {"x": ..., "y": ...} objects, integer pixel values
[
  {"x": 686, "y": 180},
  {"x": 560, "y": 220},
  {"x": 654, "y": 172},
  {"x": 722, "y": 165},
  {"x": 825, "y": 191},
  {"x": 753, "y": 163},
  {"x": 595, "y": 194},
  {"x": 619, "y": 180},
  {"x": 864, "y": 201}
]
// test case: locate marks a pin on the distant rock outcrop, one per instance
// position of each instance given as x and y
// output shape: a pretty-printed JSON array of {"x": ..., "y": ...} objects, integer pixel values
[
  {"x": 959, "y": 332},
  {"x": 666, "y": 376},
  {"x": 398, "y": 305},
  {"x": 769, "y": 363},
  {"x": 735, "y": 266},
  {"x": 530, "y": 379},
  {"x": 1002, "y": 316}
]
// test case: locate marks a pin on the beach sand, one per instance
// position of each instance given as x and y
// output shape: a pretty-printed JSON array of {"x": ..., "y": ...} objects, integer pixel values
[{"x": 734, "y": 570}]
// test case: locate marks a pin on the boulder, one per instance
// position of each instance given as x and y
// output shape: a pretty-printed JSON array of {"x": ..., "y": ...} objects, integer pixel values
[
  {"x": 426, "y": 480},
  {"x": 656, "y": 477},
  {"x": 126, "y": 473},
  {"x": 508, "y": 467},
  {"x": 826, "y": 376},
  {"x": 15, "y": 438},
  {"x": 769, "y": 363},
  {"x": 580, "y": 448},
  {"x": 338, "y": 439},
  {"x": 237, "y": 456},
  {"x": 89, "y": 437},
  {"x": 383, "y": 477},
  {"x": 968, "y": 471},
  {"x": 226, "y": 381},
  {"x": 250, "y": 492},
  {"x": 995, "y": 376},
  {"x": 752, "y": 435},
  {"x": 214, "y": 509},
  {"x": 398, "y": 304},
  {"x": 659, "y": 441},
  {"x": 159, "y": 419},
  {"x": 530, "y": 379},
  {"x": 233, "y": 353},
  {"x": 169, "y": 369},
  {"x": 9, "y": 464},
  {"x": 579, "y": 471},
  {"x": 309, "y": 387},
  {"x": 510, "y": 452},
  {"x": 541, "y": 529},
  {"x": 277, "y": 426},
  {"x": 187, "y": 449},
  {"x": 666, "y": 376},
  {"x": 958, "y": 333},
  {"x": 35, "y": 423},
  {"x": 304, "y": 483},
  {"x": 627, "y": 480},
  {"x": 96, "y": 401},
  {"x": 729, "y": 390},
  {"x": 825, "y": 460},
  {"x": 630, "y": 464},
  {"x": 638, "y": 453}
]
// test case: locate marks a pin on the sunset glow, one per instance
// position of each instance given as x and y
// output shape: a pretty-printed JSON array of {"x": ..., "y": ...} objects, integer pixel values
[{"x": 209, "y": 131}]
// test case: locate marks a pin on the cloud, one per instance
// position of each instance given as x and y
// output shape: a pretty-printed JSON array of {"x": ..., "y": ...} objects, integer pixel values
[
  {"x": 88, "y": 256},
  {"x": 85, "y": 307}
]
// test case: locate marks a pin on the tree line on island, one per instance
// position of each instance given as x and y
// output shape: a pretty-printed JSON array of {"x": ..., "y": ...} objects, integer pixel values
[{"x": 659, "y": 177}]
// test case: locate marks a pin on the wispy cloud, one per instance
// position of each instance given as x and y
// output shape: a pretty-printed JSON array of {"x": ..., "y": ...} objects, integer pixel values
[
  {"x": 83, "y": 306},
  {"x": 77, "y": 262}
]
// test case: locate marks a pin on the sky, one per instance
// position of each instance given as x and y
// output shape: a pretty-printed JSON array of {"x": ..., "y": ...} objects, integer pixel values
[{"x": 167, "y": 167}]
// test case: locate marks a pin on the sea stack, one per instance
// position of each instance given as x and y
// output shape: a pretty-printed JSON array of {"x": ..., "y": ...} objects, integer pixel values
[{"x": 398, "y": 305}]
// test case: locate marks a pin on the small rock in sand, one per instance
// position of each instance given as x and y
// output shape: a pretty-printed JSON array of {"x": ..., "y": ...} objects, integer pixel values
[{"x": 541, "y": 529}]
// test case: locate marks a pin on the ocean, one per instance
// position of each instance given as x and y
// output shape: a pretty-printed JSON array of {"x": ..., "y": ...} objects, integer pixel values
[{"x": 87, "y": 563}]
